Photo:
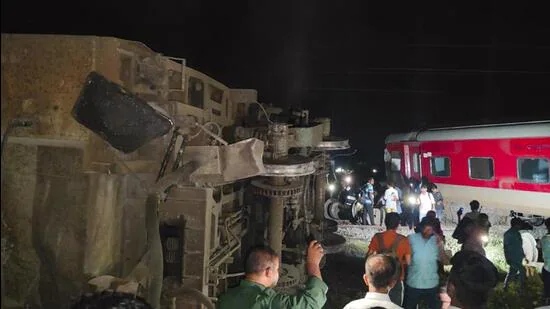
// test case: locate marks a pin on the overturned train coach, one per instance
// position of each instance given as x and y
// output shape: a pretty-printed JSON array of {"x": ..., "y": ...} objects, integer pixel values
[
  {"x": 126, "y": 170},
  {"x": 503, "y": 166}
]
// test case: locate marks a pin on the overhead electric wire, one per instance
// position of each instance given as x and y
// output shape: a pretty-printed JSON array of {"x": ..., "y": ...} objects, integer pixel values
[
  {"x": 431, "y": 71},
  {"x": 373, "y": 90}
]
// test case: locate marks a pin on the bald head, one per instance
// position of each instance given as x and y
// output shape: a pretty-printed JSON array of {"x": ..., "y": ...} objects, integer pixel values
[{"x": 382, "y": 271}]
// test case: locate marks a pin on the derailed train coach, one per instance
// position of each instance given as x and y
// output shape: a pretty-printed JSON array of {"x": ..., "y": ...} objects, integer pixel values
[
  {"x": 503, "y": 166},
  {"x": 127, "y": 170}
]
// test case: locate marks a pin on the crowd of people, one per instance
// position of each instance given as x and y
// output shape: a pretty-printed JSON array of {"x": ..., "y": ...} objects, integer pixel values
[
  {"x": 404, "y": 271},
  {"x": 412, "y": 202},
  {"x": 400, "y": 271}
]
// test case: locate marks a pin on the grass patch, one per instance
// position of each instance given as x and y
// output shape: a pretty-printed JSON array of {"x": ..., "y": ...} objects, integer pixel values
[
  {"x": 514, "y": 298},
  {"x": 356, "y": 248}
]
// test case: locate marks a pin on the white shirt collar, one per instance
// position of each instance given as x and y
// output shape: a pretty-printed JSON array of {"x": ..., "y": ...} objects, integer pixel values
[{"x": 377, "y": 296}]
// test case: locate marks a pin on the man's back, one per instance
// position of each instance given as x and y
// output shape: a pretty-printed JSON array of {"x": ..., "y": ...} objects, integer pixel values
[
  {"x": 246, "y": 295},
  {"x": 423, "y": 269},
  {"x": 513, "y": 246},
  {"x": 389, "y": 239},
  {"x": 251, "y": 295},
  {"x": 372, "y": 300},
  {"x": 472, "y": 215}
]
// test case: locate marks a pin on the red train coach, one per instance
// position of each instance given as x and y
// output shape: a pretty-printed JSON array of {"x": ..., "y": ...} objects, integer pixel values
[{"x": 504, "y": 166}]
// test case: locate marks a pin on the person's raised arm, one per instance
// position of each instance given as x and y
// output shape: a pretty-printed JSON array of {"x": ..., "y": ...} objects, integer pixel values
[
  {"x": 313, "y": 296},
  {"x": 315, "y": 253}
]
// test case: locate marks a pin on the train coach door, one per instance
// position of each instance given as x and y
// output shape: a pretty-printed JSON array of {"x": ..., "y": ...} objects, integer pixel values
[{"x": 414, "y": 161}]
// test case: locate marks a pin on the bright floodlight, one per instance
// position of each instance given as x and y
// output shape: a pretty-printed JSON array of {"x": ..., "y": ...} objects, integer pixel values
[
  {"x": 339, "y": 170},
  {"x": 331, "y": 187},
  {"x": 374, "y": 171},
  {"x": 348, "y": 179}
]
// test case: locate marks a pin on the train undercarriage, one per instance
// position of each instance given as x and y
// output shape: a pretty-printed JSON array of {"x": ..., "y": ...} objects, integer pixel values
[{"x": 136, "y": 173}]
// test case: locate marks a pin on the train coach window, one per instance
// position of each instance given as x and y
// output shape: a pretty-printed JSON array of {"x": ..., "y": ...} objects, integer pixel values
[
  {"x": 533, "y": 170},
  {"x": 440, "y": 166},
  {"x": 216, "y": 94},
  {"x": 481, "y": 168},
  {"x": 416, "y": 163},
  {"x": 195, "y": 92}
]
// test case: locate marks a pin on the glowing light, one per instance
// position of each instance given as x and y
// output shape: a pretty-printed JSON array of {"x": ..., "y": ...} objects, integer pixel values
[
  {"x": 412, "y": 200},
  {"x": 374, "y": 171},
  {"x": 331, "y": 187},
  {"x": 348, "y": 179},
  {"x": 484, "y": 238},
  {"x": 339, "y": 170}
]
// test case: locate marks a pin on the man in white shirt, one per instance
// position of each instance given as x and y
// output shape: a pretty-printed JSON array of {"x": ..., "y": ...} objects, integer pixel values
[
  {"x": 391, "y": 196},
  {"x": 427, "y": 202},
  {"x": 381, "y": 273}
]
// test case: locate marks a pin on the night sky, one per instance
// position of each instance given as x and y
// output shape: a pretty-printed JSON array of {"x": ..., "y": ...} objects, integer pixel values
[{"x": 374, "y": 67}]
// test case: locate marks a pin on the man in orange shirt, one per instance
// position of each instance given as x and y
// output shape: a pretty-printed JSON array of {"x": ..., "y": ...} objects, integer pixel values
[{"x": 397, "y": 245}]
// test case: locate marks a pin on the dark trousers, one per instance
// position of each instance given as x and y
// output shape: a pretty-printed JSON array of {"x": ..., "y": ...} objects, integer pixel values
[
  {"x": 512, "y": 274},
  {"x": 382, "y": 212},
  {"x": 546, "y": 281},
  {"x": 407, "y": 217},
  {"x": 414, "y": 296},
  {"x": 396, "y": 293},
  {"x": 416, "y": 215},
  {"x": 368, "y": 213}
]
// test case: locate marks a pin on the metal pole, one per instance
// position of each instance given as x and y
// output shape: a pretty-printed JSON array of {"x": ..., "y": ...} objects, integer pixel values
[
  {"x": 320, "y": 190},
  {"x": 276, "y": 211}
]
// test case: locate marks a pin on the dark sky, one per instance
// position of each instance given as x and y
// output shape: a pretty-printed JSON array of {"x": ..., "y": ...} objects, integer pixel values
[{"x": 374, "y": 67}]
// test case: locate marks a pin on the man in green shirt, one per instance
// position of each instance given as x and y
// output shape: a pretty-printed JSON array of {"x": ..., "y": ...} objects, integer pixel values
[{"x": 261, "y": 275}]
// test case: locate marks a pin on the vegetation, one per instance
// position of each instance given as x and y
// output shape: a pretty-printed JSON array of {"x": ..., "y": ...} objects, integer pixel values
[{"x": 514, "y": 298}]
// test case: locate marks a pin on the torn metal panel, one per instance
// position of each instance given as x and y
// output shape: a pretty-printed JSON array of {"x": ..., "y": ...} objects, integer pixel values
[
  {"x": 221, "y": 164},
  {"x": 305, "y": 136}
]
